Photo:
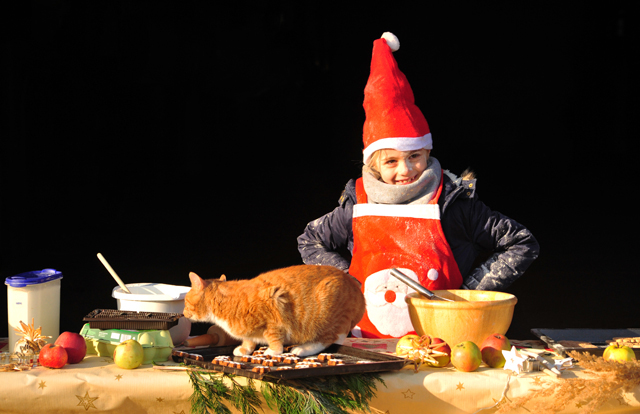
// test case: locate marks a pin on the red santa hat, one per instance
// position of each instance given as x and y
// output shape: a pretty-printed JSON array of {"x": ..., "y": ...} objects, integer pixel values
[{"x": 392, "y": 118}]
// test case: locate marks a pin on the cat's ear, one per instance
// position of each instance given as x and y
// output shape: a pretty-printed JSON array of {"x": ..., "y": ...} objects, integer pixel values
[
  {"x": 196, "y": 281},
  {"x": 223, "y": 278}
]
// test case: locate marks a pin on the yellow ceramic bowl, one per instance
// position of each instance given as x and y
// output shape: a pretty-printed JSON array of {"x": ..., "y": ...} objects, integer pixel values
[{"x": 472, "y": 316}]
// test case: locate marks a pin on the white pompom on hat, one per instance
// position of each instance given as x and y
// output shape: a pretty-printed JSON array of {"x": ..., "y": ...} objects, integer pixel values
[
  {"x": 392, "y": 41},
  {"x": 392, "y": 118}
]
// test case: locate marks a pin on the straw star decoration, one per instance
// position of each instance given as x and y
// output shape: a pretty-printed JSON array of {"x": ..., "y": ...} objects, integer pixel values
[{"x": 31, "y": 338}]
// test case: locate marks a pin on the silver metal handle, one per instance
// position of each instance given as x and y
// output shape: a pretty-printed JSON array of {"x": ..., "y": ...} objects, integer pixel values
[
  {"x": 411, "y": 283},
  {"x": 415, "y": 285}
]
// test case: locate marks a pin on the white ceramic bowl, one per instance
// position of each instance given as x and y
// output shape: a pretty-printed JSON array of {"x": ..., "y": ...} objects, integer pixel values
[{"x": 156, "y": 297}]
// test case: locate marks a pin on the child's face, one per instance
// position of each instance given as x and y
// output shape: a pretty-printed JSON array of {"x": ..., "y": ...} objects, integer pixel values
[{"x": 402, "y": 167}]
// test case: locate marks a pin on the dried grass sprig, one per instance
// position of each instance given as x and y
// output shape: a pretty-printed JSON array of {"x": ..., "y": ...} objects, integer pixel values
[{"x": 611, "y": 380}]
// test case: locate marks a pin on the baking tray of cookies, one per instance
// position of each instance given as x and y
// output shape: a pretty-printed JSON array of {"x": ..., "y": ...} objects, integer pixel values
[
  {"x": 132, "y": 320},
  {"x": 592, "y": 341},
  {"x": 335, "y": 360}
]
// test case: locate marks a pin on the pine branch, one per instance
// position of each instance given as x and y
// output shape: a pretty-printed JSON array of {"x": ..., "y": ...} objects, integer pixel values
[
  {"x": 244, "y": 398},
  {"x": 207, "y": 394},
  {"x": 317, "y": 395}
]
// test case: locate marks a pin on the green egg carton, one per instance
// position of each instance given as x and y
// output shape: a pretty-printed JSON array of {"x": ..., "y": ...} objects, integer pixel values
[{"x": 156, "y": 344}]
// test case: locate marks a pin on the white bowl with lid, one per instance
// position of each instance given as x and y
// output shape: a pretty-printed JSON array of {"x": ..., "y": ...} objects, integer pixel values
[{"x": 156, "y": 297}]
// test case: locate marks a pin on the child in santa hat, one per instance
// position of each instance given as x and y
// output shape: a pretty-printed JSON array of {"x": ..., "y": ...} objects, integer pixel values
[{"x": 406, "y": 212}]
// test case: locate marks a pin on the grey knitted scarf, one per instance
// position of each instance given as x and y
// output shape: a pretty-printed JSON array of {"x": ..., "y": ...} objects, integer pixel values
[{"x": 418, "y": 192}]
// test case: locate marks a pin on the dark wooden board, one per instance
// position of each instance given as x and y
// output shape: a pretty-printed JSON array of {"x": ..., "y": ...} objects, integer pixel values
[
  {"x": 598, "y": 338},
  {"x": 375, "y": 362},
  {"x": 131, "y": 320}
]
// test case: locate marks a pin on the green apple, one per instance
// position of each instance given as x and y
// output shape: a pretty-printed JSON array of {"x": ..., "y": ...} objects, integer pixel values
[
  {"x": 128, "y": 354},
  {"x": 619, "y": 353},
  {"x": 466, "y": 356}
]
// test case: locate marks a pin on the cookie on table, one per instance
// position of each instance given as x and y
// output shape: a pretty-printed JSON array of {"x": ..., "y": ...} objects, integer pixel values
[
  {"x": 291, "y": 360},
  {"x": 308, "y": 365},
  {"x": 271, "y": 362},
  {"x": 324, "y": 357},
  {"x": 335, "y": 361},
  {"x": 260, "y": 369},
  {"x": 220, "y": 360},
  {"x": 631, "y": 342}
]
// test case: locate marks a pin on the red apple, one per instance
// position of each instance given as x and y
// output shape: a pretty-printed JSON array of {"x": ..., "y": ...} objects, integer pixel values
[
  {"x": 492, "y": 348},
  {"x": 53, "y": 356},
  {"x": 442, "y": 360},
  {"x": 616, "y": 352},
  {"x": 466, "y": 356},
  {"x": 74, "y": 344}
]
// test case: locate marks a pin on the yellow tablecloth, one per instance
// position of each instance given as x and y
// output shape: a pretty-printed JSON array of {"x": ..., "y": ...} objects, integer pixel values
[{"x": 96, "y": 384}]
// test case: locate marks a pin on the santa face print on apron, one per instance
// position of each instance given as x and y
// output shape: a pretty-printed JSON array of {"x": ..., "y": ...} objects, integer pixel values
[{"x": 408, "y": 237}]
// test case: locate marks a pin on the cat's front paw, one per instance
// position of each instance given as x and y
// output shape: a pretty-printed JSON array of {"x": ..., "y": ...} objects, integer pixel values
[
  {"x": 272, "y": 351},
  {"x": 307, "y": 349},
  {"x": 241, "y": 351}
]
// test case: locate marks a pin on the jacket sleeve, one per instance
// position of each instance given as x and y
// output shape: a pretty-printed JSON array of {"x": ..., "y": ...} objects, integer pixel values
[
  {"x": 325, "y": 237},
  {"x": 513, "y": 248}
]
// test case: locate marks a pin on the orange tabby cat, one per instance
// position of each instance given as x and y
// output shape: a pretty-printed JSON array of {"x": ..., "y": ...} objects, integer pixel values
[{"x": 308, "y": 306}]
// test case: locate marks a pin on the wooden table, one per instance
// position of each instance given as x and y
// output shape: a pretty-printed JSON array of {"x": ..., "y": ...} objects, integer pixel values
[{"x": 96, "y": 384}]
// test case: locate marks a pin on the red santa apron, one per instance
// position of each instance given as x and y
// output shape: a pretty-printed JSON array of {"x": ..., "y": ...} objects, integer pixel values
[{"x": 408, "y": 237}]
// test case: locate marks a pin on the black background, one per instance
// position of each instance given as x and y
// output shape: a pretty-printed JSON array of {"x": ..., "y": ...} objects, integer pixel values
[{"x": 203, "y": 136}]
